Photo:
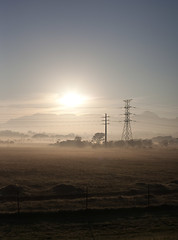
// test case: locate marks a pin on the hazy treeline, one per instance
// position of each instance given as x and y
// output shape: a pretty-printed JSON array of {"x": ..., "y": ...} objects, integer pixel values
[
  {"x": 9, "y": 133},
  {"x": 132, "y": 143},
  {"x": 71, "y": 140},
  {"x": 99, "y": 142}
]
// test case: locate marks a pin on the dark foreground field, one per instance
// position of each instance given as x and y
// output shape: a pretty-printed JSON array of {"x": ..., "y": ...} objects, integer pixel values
[
  {"x": 46, "y": 180},
  {"x": 156, "y": 223}
]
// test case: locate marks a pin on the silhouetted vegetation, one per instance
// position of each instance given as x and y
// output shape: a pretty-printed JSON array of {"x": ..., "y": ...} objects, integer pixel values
[
  {"x": 98, "y": 138},
  {"x": 98, "y": 141},
  {"x": 6, "y": 142},
  {"x": 72, "y": 140},
  {"x": 9, "y": 133},
  {"x": 40, "y": 135},
  {"x": 77, "y": 142},
  {"x": 165, "y": 141}
]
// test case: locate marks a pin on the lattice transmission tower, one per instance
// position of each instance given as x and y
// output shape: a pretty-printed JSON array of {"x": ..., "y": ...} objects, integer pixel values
[{"x": 127, "y": 131}]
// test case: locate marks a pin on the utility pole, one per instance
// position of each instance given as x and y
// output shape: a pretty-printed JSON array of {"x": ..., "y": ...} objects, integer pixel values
[
  {"x": 106, "y": 122},
  {"x": 127, "y": 131}
]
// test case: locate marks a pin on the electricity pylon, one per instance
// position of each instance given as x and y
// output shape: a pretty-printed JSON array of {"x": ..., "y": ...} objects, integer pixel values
[{"x": 127, "y": 131}]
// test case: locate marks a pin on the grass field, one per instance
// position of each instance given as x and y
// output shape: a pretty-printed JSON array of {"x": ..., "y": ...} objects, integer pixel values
[
  {"x": 158, "y": 223},
  {"x": 52, "y": 179}
]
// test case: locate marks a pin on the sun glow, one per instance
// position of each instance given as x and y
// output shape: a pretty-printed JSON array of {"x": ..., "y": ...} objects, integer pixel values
[{"x": 72, "y": 100}]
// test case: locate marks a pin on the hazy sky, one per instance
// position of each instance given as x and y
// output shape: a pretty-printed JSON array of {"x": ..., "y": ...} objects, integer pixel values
[{"x": 108, "y": 50}]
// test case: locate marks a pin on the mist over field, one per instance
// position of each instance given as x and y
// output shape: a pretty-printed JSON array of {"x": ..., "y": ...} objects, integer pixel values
[
  {"x": 147, "y": 125},
  {"x": 51, "y": 180},
  {"x": 114, "y": 177}
]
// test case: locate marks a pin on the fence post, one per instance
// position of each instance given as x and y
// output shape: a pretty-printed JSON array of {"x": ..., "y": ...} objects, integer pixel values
[
  {"x": 18, "y": 203},
  {"x": 86, "y": 198},
  {"x": 148, "y": 196}
]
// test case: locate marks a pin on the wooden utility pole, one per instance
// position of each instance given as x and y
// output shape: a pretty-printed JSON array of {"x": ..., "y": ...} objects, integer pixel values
[{"x": 106, "y": 122}]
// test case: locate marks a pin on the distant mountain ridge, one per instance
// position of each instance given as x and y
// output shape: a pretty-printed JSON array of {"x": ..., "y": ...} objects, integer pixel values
[{"x": 147, "y": 124}]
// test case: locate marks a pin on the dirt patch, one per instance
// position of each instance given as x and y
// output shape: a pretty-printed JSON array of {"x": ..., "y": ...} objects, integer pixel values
[{"x": 63, "y": 189}]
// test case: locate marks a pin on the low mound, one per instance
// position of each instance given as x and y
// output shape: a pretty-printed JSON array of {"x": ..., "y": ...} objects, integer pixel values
[
  {"x": 159, "y": 188},
  {"x": 134, "y": 191},
  {"x": 175, "y": 181},
  {"x": 12, "y": 190},
  {"x": 155, "y": 188},
  {"x": 64, "y": 189},
  {"x": 141, "y": 184}
]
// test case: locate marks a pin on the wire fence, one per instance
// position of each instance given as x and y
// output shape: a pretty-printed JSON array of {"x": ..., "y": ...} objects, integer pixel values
[{"x": 147, "y": 196}]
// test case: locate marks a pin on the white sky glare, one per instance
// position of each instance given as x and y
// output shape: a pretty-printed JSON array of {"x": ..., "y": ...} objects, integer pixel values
[{"x": 108, "y": 50}]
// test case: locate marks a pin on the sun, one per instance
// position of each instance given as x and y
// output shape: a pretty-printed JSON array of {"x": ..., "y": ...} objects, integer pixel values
[{"x": 72, "y": 100}]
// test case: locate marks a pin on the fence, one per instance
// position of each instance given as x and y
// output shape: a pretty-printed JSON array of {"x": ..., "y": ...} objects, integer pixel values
[{"x": 144, "y": 197}]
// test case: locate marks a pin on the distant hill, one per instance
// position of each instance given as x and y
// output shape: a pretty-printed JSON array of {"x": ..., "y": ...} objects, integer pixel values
[
  {"x": 147, "y": 125},
  {"x": 59, "y": 124},
  {"x": 151, "y": 124}
]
